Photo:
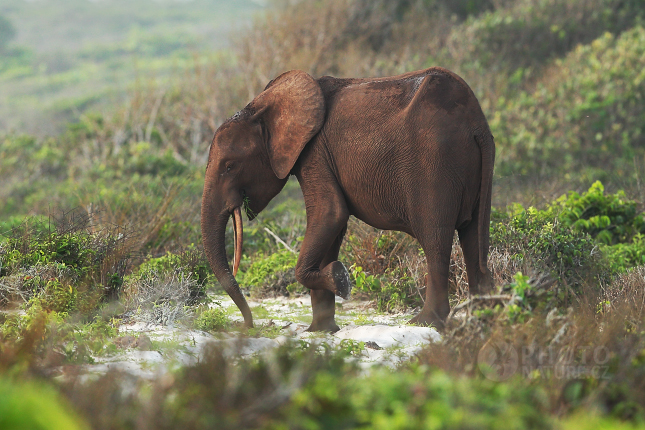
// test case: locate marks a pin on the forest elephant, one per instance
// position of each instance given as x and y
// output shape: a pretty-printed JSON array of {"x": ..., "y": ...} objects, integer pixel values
[{"x": 412, "y": 153}]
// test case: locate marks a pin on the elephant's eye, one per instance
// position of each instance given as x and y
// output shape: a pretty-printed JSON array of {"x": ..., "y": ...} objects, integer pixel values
[{"x": 229, "y": 167}]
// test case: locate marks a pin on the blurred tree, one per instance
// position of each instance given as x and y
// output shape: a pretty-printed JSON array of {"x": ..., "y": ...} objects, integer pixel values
[{"x": 7, "y": 32}]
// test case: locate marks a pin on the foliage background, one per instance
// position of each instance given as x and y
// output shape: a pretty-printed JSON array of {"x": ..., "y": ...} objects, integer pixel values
[{"x": 107, "y": 110}]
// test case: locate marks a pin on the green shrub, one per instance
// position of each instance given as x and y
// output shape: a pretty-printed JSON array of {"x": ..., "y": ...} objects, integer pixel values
[
  {"x": 609, "y": 219},
  {"x": 541, "y": 239},
  {"x": 586, "y": 113},
  {"x": 412, "y": 399},
  {"x": 312, "y": 390},
  {"x": 272, "y": 274},
  {"x": 33, "y": 405},
  {"x": 7, "y": 32},
  {"x": 72, "y": 250},
  {"x": 527, "y": 299},
  {"x": 384, "y": 266},
  {"x": 212, "y": 319},
  {"x": 16, "y": 325},
  {"x": 58, "y": 296},
  {"x": 577, "y": 237},
  {"x": 143, "y": 160},
  {"x": 62, "y": 264},
  {"x": 190, "y": 264},
  {"x": 393, "y": 291},
  {"x": 594, "y": 421},
  {"x": 528, "y": 33},
  {"x": 622, "y": 256},
  {"x": 75, "y": 341}
]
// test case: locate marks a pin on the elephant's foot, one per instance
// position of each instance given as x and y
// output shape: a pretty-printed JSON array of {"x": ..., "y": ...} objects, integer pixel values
[
  {"x": 487, "y": 285},
  {"x": 428, "y": 318},
  {"x": 340, "y": 278},
  {"x": 328, "y": 325},
  {"x": 484, "y": 285}
]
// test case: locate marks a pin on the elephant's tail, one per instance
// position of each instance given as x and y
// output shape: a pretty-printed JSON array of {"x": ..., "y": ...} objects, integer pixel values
[{"x": 484, "y": 139}]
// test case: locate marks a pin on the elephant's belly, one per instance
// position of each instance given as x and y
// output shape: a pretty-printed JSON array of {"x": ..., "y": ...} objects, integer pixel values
[
  {"x": 380, "y": 216},
  {"x": 375, "y": 196}
]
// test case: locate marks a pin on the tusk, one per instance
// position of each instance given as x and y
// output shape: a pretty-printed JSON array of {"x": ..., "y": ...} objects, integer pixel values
[{"x": 238, "y": 232}]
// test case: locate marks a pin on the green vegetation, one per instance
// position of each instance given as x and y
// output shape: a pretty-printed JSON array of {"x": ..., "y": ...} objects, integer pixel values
[
  {"x": 7, "y": 32},
  {"x": 212, "y": 319},
  {"x": 272, "y": 274},
  {"x": 189, "y": 264},
  {"x": 394, "y": 290},
  {"x": 585, "y": 115},
  {"x": 563, "y": 86},
  {"x": 577, "y": 237},
  {"x": 385, "y": 266},
  {"x": 34, "y": 406},
  {"x": 63, "y": 267},
  {"x": 71, "y": 57}
]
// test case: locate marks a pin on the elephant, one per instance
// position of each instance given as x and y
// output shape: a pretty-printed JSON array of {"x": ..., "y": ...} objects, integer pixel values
[{"x": 412, "y": 153}]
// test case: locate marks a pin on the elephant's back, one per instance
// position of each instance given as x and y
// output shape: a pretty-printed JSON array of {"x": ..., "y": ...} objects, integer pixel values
[{"x": 436, "y": 85}]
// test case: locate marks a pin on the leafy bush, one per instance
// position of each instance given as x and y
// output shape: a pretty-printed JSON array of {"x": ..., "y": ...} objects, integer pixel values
[
  {"x": 625, "y": 255},
  {"x": 53, "y": 265},
  {"x": 612, "y": 220},
  {"x": 62, "y": 340},
  {"x": 540, "y": 238},
  {"x": 275, "y": 274},
  {"x": 212, "y": 319},
  {"x": 412, "y": 399},
  {"x": 7, "y": 32},
  {"x": 528, "y": 33},
  {"x": 609, "y": 219},
  {"x": 395, "y": 290},
  {"x": 387, "y": 266},
  {"x": 586, "y": 112},
  {"x": 577, "y": 237},
  {"x": 298, "y": 387},
  {"x": 189, "y": 264},
  {"x": 566, "y": 238},
  {"x": 35, "y": 317},
  {"x": 35, "y": 405},
  {"x": 66, "y": 250},
  {"x": 139, "y": 186}
]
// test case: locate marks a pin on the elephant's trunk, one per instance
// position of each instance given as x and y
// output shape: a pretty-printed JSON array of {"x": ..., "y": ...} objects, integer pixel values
[{"x": 213, "y": 232}]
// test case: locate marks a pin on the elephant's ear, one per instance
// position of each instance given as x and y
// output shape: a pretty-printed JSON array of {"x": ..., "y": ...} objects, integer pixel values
[{"x": 292, "y": 108}]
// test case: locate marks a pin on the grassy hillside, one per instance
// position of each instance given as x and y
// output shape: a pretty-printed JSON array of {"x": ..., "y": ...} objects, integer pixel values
[
  {"x": 563, "y": 87},
  {"x": 67, "y": 57}
]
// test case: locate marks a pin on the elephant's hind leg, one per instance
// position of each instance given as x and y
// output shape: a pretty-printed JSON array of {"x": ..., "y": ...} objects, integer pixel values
[
  {"x": 478, "y": 282},
  {"x": 437, "y": 245}
]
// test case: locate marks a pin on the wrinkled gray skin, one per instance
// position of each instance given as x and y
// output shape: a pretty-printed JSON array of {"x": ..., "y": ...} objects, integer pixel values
[{"x": 412, "y": 153}]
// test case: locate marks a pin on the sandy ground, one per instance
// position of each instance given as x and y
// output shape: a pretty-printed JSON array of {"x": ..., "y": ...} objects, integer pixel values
[{"x": 150, "y": 350}]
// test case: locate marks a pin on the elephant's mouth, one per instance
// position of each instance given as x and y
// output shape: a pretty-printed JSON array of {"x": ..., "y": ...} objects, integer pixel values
[
  {"x": 246, "y": 202},
  {"x": 238, "y": 233}
]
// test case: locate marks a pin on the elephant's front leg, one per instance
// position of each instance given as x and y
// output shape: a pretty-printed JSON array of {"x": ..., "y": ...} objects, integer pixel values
[
  {"x": 323, "y": 302},
  {"x": 318, "y": 268}
]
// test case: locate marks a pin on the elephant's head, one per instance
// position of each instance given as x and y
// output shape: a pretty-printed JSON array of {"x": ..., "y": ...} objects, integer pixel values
[{"x": 250, "y": 159}]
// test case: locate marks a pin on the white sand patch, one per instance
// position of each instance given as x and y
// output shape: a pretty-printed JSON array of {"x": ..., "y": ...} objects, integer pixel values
[
  {"x": 373, "y": 338},
  {"x": 385, "y": 336}
]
